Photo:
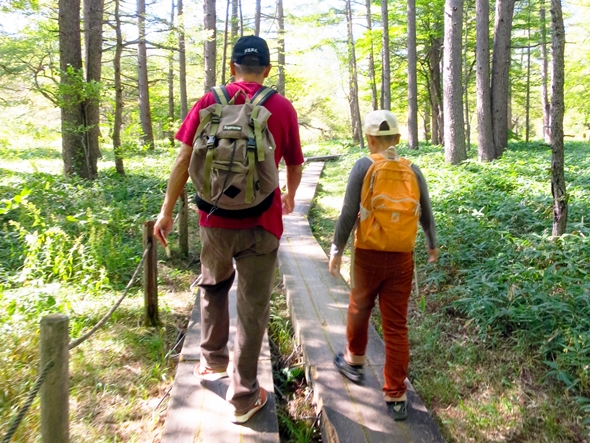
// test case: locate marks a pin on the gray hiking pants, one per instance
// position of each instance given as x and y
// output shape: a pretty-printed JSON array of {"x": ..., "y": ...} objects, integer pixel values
[{"x": 255, "y": 253}]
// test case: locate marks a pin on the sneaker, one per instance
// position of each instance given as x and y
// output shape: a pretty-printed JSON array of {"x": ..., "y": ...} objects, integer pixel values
[
  {"x": 205, "y": 373},
  {"x": 352, "y": 372},
  {"x": 398, "y": 409},
  {"x": 243, "y": 418}
]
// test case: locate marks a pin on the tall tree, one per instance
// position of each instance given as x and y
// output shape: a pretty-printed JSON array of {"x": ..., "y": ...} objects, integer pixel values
[
  {"x": 182, "y": 61},
  {"x": 171, "y": 110},
  {"x": 500, "y": 74},
  {"x": 224, "y": 63},
  {"x": 412, "y": 77},
  {"x": 210, "y": 43},
  {"x": 118, "y": 120},
  {"x": 93, "y": 18},
  {"x": 452, "y": 85},
  {"x": 257, "y": 17},
  {"x": 435, "y": 90},
  {"x": 281, "y": 50},
  {"x": 558, "y": 186},
  {"x": 544, "y": 71},
  {"x": 235, "y": 21},
  {"x": 145, "y": 113},
  {"x": 486, "y": 150},
  {"x": 385, "y": 65},
  {"x": 74, "y": 150},
  {"x": 353, "y": 82},
  {"x": 371, "y": 57}
]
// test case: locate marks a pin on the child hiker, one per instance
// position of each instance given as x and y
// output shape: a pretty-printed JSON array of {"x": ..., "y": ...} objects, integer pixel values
[{"x": 388, "y": 196}]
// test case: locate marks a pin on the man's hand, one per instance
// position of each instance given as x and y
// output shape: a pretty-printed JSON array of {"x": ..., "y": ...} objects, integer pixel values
[
  {"x": 334, "y": 265},
  {"x": 432, "y": 255},
  {"x": 163, "y": 227},
  {"x": 288, "y": 202}
]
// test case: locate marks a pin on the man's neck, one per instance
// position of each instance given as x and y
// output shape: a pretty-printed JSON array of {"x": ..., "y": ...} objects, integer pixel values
[{"x": 250, "y": 78}]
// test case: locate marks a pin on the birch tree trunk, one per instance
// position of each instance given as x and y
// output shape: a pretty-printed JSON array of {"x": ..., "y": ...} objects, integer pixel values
[
  {"x": 412, "y": 78},
  {"x": 386, "y": 66},
  {"x": 500, "y": 74},
  {"x": 558, "y": 186},
  {"x": 452, "y": 85},
  {"x": 182, "y": 61},
  {"x": 93, "y": 17},
  {"x": 485, "y": 138},
  {"x": 118, "y": 120},
  {"x": 355, "y": 116},
  {"x": 145, "y": 116},
  {"x": 371, "y": 58},
  {"x": 281, "y": 43},
  {"x": 74, "y": 150},
  {"x": 210, "y": 43}
]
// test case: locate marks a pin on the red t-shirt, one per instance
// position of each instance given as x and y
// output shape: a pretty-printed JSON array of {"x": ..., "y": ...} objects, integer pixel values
[{"x": 283, "y": 126}]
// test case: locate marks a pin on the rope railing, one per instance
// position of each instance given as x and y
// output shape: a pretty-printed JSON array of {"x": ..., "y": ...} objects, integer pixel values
[
  {"x": 29, "y": 401},
  {"x": 103, "y": 320},
  {"x": 145, "y": 262}
]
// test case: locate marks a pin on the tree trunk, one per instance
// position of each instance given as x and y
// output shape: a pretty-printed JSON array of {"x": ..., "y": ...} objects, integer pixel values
[
  {"x": 74, "y": 149},
  {"x": 118, "y": 121},
  {"x": 235, "y": 22},
  {"x": 466, "y": 80},
  {"x": 224, "y": 63},
  {"x": 145, "y": 116},
  {"x": 452, "y": 85},
  {"x": 281, "y": 43},
  {"x": 257, "y": 18},
  {"x": 528, "y": 78},
  {"x": 558, "y": 186},
  {"x": 386, "y": 66},
  {"x": 93, "y": 16},
  {"x": 485, "y": 138},
  {"x": 412, "y": 78},
  {"x": 500, "y": 74},
  {"x": 371, "y": 58},
  {"x": 182, "y": 62},
  {"x": 355, "y": 115},
  {"x": 435, "y": 91},
  {"x": 544, "y": 71},
  {"x": 210, "y": 43},
  {"x": 171, "y": 81}
]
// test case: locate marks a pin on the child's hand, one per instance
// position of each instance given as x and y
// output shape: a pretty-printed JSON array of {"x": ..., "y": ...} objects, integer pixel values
[
  {"x": 432, "y": 255},
  {"x": 334, "y": 265}
]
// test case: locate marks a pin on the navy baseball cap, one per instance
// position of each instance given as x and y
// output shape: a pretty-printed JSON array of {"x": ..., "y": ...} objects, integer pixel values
[{"x": 251, "y": 45}]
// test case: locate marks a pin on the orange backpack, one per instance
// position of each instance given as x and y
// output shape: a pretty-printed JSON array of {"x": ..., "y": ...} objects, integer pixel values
[{"x": 390, "y": 205}]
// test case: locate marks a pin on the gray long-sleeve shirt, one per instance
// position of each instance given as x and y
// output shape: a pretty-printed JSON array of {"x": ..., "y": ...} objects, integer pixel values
[{"x": 352, "y": 202}]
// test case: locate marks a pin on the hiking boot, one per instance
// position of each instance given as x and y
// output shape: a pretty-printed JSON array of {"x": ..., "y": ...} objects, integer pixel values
[
  {"x": 398, "y": 409},
  {"x": 205, "y": 373},
  {"x": 352, "y": 372},
  {"x": 244, "y": 417}
]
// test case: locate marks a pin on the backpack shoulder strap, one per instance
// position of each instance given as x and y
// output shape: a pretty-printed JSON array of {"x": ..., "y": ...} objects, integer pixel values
[
  {"x": 220, "y": 94},
  {"x": 262, "y": 95}
]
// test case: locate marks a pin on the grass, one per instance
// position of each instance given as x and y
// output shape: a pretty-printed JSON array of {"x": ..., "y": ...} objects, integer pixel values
[{"x": 499, "y": 332}]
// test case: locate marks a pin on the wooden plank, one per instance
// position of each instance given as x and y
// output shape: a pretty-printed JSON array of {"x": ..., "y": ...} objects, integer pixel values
[
  {"x": 198, "y": 412},
  {"x": 350, "y": 413}
]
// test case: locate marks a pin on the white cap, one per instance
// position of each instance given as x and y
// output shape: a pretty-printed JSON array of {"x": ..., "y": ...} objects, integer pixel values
[{"x": 374, "y": 120}]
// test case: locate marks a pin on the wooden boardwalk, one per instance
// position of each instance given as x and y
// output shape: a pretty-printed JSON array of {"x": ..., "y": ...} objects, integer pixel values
[{"x": 317, "y": 302}]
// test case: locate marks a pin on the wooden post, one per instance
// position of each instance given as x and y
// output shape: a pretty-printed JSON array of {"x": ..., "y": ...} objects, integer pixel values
[
  {"x": 183, "y": 224},
  {"x": 150, "y": 275},
  {"x": 55, "y": 388}
]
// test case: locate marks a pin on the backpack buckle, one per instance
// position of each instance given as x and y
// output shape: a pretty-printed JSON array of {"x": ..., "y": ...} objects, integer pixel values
[
  {"x": 210, "y": 142},
  {"x": 251, "y": 145}
]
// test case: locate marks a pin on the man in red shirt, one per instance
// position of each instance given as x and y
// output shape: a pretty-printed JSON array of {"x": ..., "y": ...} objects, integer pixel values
[{"x": 252, "y": 242}]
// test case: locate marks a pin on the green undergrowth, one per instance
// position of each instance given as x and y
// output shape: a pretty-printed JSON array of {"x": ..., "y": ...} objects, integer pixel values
[
  {"x": 69, "y": 246},
  {"x": 500, "y": 330}
]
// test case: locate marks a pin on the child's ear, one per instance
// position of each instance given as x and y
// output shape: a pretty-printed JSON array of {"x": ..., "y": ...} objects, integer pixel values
[{"x": 397, "y": 138}]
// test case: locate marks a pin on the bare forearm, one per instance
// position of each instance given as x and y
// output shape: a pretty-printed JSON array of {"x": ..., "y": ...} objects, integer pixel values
[
  {"x": 178, "y": 178},
  {"x": 294, "y": 174}
]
